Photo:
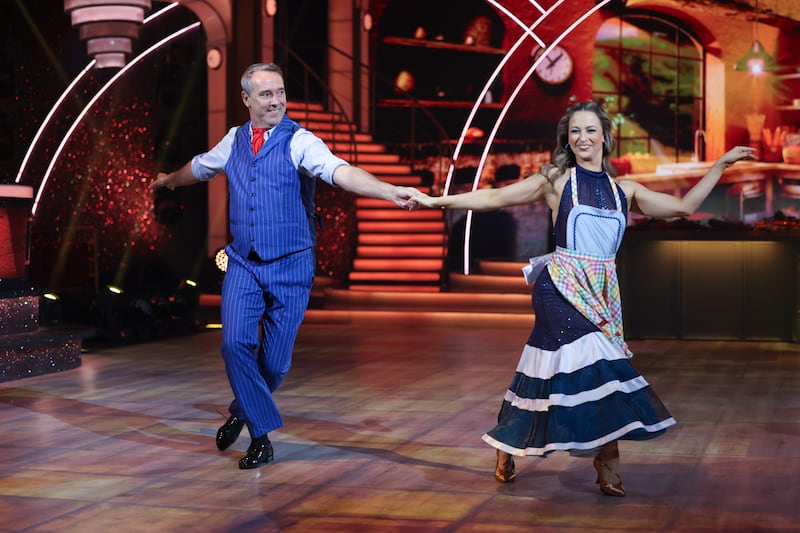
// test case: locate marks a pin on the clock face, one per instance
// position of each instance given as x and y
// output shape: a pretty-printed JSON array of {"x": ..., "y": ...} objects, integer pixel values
[{"x": 555, "y": 68}]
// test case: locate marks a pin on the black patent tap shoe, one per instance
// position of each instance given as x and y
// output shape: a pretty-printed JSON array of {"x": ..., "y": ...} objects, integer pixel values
[
  {"x": 229, "y": 432},
  {"x": 258, "y": 454}
]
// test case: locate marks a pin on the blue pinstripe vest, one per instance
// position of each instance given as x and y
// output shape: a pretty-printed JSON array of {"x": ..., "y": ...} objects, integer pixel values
[{"x": 268, "y": 211}]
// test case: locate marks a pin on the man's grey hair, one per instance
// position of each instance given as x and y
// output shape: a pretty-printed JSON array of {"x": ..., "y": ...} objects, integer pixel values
[{"x": 258, "y": 67}]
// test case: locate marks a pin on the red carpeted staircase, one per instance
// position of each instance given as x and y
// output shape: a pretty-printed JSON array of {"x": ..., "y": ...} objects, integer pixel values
[{"x": 397, "y": 250}]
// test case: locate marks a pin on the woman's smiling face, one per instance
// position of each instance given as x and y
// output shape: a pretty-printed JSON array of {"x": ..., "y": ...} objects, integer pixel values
[{"x": 586, "y": 138}]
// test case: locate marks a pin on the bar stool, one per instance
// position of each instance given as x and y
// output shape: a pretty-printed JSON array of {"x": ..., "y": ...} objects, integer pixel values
[
  {"x": 789, "y": 191},
  {"x": 744, "y": 190},
  {"x": 789, "y": 187}
]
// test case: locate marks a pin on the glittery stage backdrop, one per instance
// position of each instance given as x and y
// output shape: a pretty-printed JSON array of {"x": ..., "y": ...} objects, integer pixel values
[
  {"x": 336, "y": 240},
  {"x": 96, "y": 222}
]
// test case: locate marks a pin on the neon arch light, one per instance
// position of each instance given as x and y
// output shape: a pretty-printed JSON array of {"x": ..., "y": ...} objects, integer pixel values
[
  {"x": 96, "y": 97},
  {"x": 49, "y": 116},
  {"x": 528, "y": 32},
  {"x": 66, "y": 93}
]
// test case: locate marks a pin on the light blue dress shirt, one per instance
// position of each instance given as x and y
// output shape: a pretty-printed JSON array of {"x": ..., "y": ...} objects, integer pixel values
[{"x": 308, "y": 152}]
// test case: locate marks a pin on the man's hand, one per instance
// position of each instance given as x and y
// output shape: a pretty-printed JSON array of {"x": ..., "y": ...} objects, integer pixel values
[
  {"x": 179, "y": 178},
  {"x": 162, "y": 180},
  {"x": 405, "y": 197}
]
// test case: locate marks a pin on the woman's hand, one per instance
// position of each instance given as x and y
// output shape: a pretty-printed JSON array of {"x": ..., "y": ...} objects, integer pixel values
[
  {"x": 424, "y": 200},
  {"x": 738, "y": 153}
]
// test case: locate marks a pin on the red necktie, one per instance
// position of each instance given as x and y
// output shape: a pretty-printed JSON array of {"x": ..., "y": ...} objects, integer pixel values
[{"x": 258, "y": 139}]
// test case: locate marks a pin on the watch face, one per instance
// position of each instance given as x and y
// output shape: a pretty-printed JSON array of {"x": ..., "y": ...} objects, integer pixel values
[{"x": 556, "y": 67}]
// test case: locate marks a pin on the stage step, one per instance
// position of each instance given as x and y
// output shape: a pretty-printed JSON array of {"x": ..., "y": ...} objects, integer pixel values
[
  {"x": 365, "y": 277},
  {"x": 395, "y": 265},
  {"x": 340, "y": 147},
  {"x": 399, "y": 288},
  {"x": 429, "y": 302},
  {"x": 326, "y": 126},
  {"x": 363, "y": 202},
  {"x": 400, "y": 239},
  {"x": 295, "y": 105},
  {"x": 420, "y": 319},
  {"x": 399, "y": 252},
  {"x": 482, "y": 283},
  {"x": 500, "y": 268},
  {"x": 398, "y": 215},
  {"x": 366, "y": 159},
  {"x": 29, "y": 349},
  {"x": 312, "y": 115},
  {"x": 345, "y": 138},
  {"x": 381, "y": 170},
  {"x": 44, "y": 351},
  {"x": 415, "y": 226}
]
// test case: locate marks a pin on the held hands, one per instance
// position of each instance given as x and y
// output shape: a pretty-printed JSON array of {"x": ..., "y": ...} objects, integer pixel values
[
  {"x": 424, "y": 200},
  {"x": 417, "y": 199},
  {"x": 405, "y": 197}
]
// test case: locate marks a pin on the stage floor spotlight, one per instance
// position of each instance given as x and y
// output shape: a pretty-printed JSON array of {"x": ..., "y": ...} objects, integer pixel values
[{"x": 50, "y": 309}]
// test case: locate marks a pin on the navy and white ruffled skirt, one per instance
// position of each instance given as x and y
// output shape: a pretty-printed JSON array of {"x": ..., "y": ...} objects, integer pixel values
[{"x": 574, "y": 389}]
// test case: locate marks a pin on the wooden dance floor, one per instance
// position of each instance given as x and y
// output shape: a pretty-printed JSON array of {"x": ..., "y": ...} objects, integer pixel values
[{"x": 383, "y": 433}]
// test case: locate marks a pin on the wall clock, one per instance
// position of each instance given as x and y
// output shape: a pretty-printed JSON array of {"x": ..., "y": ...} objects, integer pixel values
[{"x": 555, "y": 68}]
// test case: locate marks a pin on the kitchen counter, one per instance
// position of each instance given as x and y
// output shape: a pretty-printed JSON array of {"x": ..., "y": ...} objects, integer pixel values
[
  {"x": 710, "y": 284},
  {"x": 680, "y": 177},
  {"x": 693, "y": 171}
]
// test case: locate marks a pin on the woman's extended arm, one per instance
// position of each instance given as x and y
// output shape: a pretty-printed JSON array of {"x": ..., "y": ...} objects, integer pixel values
[
  {"x": 660, "y": 205},
  {"x": 529, "y": 190}
]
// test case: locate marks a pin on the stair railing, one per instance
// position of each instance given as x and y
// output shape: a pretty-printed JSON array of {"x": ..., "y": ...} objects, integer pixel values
[
  {"x": 442, "y": 145},
  {"x": 330, "y": 103},
  {"x": 441, "y": 140}
]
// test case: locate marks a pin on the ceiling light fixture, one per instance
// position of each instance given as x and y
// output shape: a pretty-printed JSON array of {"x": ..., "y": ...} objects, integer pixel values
[
  {"x": 756, "y": 61},
  {"x": 109, "y": 27}
]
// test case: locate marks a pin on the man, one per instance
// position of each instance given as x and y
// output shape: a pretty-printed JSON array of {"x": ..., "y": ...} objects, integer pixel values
[{"x": 270, "y": 162}]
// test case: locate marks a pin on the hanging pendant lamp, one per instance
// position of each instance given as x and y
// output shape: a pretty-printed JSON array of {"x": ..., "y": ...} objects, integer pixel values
[
  {"x": 109, "y": 27},
  {"x": 756, "y": 61}
]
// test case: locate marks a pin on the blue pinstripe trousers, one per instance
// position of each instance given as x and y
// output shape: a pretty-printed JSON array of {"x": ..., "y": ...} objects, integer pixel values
[{"x": 275, "y": 295}]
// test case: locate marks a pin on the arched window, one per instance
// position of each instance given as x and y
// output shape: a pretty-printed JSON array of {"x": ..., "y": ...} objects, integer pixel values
[{"x": 649, "y": 72}]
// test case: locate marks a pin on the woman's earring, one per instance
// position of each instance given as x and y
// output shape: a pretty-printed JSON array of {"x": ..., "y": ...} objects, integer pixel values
[{"x": 566, "y": 147}]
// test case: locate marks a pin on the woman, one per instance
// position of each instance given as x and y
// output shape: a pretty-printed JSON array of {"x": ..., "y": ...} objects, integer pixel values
[{"x": 574, "y": 388}]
